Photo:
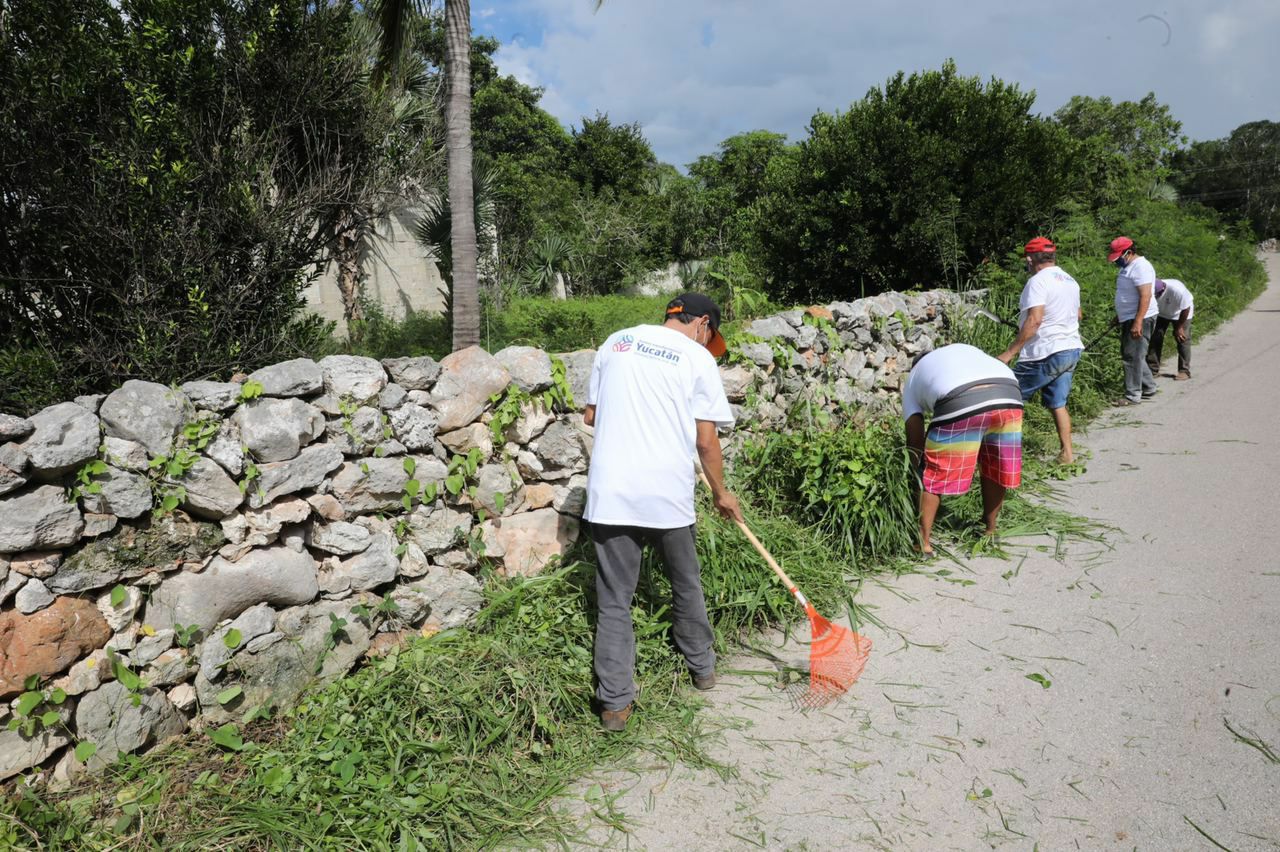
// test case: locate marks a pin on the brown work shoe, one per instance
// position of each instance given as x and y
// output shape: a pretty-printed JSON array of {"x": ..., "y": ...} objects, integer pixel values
[
  {"x": 1182, "y": 377},
  {"x": 615, "y": 721},
  {"x": 705, "y": 682}
]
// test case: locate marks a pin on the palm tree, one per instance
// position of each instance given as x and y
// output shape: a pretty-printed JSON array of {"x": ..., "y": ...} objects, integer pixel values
[
  {"x": 465, "y": 299},
  {"x": 396, "y": 18}
]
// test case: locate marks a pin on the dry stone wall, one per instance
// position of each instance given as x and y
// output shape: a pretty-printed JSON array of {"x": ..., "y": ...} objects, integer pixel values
[{"x": 180, "y": 554}]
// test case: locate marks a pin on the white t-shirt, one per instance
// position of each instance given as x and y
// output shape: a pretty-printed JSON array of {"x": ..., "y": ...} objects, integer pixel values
[
  {"x": 942, "y": 371},
  {"x": 1139, "y": 272},
  {"x": 1059, "y": 293},
  {"x": 650, "y": 386},
  {"x": 1175, "y": 299}
]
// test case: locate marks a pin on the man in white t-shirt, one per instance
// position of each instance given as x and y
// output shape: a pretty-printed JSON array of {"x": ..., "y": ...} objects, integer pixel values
[
  {"x": 1136, "y": 311},
  {"x": 1177, "y": 306},
  {"x": 655, "y": 398},
  {"x": 975, "y": 410},
  {"x": 1048, "y": 344}
]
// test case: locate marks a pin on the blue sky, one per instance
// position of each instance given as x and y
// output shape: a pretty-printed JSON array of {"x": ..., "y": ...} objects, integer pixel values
[{"x": 692, "y": 72}]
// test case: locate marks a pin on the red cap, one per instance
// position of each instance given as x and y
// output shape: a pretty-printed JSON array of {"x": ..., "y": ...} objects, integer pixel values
[
  {"x": 1119, "y": 246},
  {"x": 1039, "y": 244}
]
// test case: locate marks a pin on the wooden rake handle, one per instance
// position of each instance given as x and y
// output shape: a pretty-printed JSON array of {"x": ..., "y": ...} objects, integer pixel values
[{"x": 760, "y": 548}]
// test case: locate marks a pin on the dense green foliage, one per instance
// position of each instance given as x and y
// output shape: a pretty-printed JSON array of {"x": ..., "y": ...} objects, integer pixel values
[
  {"x": 1238, "y": 176},
  {"x": 171, "y": 172},
  {"x": 1121, "y": 150},
  {"x": 914, "y": 184}
]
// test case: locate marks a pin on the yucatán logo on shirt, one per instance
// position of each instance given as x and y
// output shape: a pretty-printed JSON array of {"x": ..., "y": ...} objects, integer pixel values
[
  {"x": 623, "y": 343},
  {"x": 626, "y": 343}
]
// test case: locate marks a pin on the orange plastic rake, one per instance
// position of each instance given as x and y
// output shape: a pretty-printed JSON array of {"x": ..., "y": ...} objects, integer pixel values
[{"x": 837, "y": 655}]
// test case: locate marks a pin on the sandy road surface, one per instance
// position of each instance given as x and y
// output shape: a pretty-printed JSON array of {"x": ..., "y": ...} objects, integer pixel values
[{"x": 1151, "y": 648}]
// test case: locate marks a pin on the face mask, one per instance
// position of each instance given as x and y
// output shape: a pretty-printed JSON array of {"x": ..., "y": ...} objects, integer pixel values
[{"x": 1120, "y": 262}]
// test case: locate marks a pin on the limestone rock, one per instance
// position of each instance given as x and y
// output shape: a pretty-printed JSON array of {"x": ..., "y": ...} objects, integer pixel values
[
  {"x": 737, "y": 381},
  {"x": 86, "y": 675},
  {"x": 173, "y": 666},
  {"x": 444, "y": 599},
  {"x": 413, "y": 373},
  {"x": 275, "y": 430},
  {"x": 280, "y": 672},
  {"x": 15, "y": 428},
  {"x": 99, "y": 524},
  {"x": 339, "y": 538},
  {"x": 414, "y": 426},
  {"x": 13, "y": 467},
  {"x": 577, "y": 370},
  {"x": 148, "y": 413},
  {"x": 214, "y": 654},
  {"x": 90, "y": 402},
  {"x": 117, "y": 616},
  {"x": 530, "y": 368},
  {"x": 461, "y": 559},
  {"x": 468, "y": 438},
  {"x": 33, "y": 596},
  {"x": 571, "y": 496},
  {"x": 375, "y": 566},
  {"x": 36, "y": 563},
  {"x": 538, "y": 495},
  {"x": 774, "y": 327},
  {"x": 356, "y": 434},
  {"x": 125, "y": 454},
  {"x": 12, "y": 582},
  {"x": 806, "y": 336},
  {"x": 122, "y": 493},
  {"x": 108, "y": 718},
  {"x": 461, "y": 393},
  {"x": 526, "y": 543},
  {"x": 276, "y": 575},
  {"x": 493, "y": 480},
  {"x": 353, "y": 377},
  {"x": 413, "y": 562},
  {"x": 760, "y": 354},
  {"x": 19, "y": 753},
  {"x": 308, "y": 470},
  {"x": 182, "y": 696},
  {"x": 533, "y": 420},
  {"x": 132, "y": 552},
  {"x": 210, "y": 493},
  {"x": 38, "y": 518},
  {"x": 392, "y": 396},
  {"x": 48, "y": 641},
  {"x": 374, "y": 485},
  {"x": 562, "y": 451},
  {"x": 225, "y": 448},
  {"x": 151, "y": 647},
  {"x": 438, "y": 528},
  {"x": 214, "y": 396},
  {"x": 327, "y": 507},
  {"x": 65, "y": 437},
  {"x": 298, "y": 377}
]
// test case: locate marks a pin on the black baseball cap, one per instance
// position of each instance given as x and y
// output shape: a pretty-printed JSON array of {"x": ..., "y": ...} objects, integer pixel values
[{"x": 698, "y": 305}]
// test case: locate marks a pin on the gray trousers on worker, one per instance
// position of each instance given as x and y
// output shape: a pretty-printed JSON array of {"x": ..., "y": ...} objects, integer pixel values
[
  {"x": 1157, "y": 345},
  {"x": 618, "y": 550},
  {"x": 1138, "y": 380}
]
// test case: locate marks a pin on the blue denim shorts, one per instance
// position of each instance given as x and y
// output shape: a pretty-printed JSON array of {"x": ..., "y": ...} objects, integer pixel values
[{"x": 1051, "y": 376}]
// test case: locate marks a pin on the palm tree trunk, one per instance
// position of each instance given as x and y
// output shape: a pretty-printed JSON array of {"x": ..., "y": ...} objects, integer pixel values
[{"x": 465, "y": 302}]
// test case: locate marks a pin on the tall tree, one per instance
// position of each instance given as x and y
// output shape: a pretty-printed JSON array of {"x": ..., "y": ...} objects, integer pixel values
[{"x": 465, "y": 298}]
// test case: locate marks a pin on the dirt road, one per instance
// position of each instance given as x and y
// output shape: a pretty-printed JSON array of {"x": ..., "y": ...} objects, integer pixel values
[{"x": 1148, "y": 650}]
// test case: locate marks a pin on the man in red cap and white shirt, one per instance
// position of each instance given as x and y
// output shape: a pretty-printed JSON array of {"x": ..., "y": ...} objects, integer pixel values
[
  {"x": 1048, "y": 344},
  {"x": 1136, "y": 311},
  {"x": 655, "y": 398}
]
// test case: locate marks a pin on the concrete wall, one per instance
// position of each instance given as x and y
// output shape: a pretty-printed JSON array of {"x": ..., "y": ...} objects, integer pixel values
[{"x": 397, "y": 274}]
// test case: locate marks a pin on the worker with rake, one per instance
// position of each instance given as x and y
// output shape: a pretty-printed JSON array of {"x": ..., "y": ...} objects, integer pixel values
[
  {"x": 655, "y": 397},
  {"x": 975, "y": 406},
  {"x": 1048, "y": 344}
]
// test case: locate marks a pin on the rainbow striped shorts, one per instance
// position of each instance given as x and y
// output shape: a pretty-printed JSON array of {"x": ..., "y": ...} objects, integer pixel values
[{"x": 953, "y": 450}]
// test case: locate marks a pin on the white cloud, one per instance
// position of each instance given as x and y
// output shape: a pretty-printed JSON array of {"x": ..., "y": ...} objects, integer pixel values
[{"x": 692, "y": 73}]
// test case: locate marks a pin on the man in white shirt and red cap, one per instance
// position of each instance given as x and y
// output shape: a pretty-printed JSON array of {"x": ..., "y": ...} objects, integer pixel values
[
  {"x": 1136, "y": 312},
  {"x": 655, "y": 399}
]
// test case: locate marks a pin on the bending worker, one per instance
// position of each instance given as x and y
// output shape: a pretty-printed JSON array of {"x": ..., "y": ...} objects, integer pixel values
[
  {"x": 975, "y": 406},
  {"x": 655, "y": 396},
  {"x": 1177, "y": 306},
  {"x": 1048, "y": 345}
]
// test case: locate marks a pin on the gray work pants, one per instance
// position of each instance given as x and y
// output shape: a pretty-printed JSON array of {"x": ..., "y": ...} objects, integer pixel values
[
  {"x": 1157, "y": 345},
  {"x": 618, "y": 550},
  {"x": 1138, "y": 380}
]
